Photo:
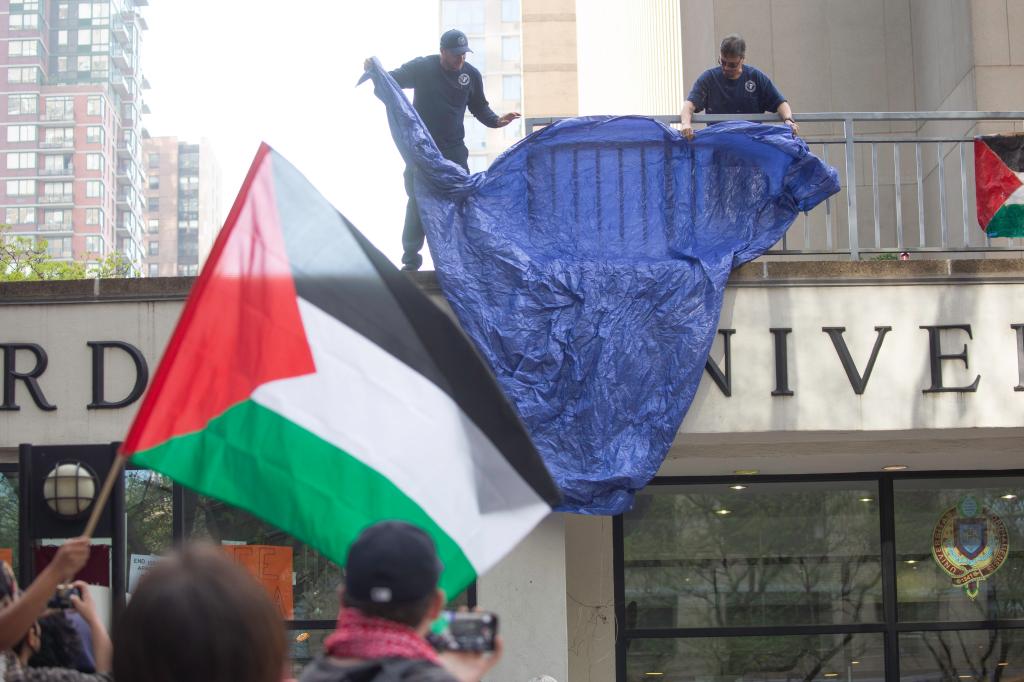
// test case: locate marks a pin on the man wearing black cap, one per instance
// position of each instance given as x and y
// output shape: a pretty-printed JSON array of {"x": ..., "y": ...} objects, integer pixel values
[
  {"x": 389, "y": 601},
  {"x": 444, "y": 85}
]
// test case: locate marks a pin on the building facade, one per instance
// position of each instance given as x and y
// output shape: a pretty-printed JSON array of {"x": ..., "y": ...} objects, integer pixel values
[
  {"x": 183, "y": 209},
  {"x": 72, "y": 84},
  {"x": 493, "y": 29}
]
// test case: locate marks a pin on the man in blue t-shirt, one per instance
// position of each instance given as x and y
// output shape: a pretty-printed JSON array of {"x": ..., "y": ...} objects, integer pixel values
[
  {"x": 734, "y": 88},
  {"x": 443, "y": 85}
]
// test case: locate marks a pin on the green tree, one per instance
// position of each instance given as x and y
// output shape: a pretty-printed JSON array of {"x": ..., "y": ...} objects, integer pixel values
[{"x": 23, "y": 258}]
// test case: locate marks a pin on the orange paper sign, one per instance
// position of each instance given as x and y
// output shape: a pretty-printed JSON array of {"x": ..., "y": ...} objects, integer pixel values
[
  {"x": 272, "y": 566},
  {"x": 7, "y": 554}
]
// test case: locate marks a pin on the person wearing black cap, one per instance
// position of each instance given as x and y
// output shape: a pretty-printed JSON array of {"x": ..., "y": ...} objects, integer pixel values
[
  {"x": 444, "y": 85},
  {"x": 389, "y": 601}
]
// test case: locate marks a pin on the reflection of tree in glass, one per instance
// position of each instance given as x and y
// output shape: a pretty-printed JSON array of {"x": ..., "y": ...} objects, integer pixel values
[
  {"x": 9, "y": 515},
  {"x": 316, "y": 578},
  {"x": 148, "y": 506},
  {"x": 777, "y": 557}
]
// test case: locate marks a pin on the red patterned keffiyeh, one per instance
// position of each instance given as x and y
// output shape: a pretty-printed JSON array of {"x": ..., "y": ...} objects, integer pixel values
[{"x": 366, "y": 638}]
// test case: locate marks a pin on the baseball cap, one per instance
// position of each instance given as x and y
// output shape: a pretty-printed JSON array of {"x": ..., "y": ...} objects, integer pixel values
[
  {"x": 455, "y": 40},
  {"x": 391, "y": 562}
]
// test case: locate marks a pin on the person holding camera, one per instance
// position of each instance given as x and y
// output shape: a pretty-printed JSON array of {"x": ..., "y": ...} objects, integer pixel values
[
  {"x": 14, "y": 661},
  {"x": 389, "y": 601}
]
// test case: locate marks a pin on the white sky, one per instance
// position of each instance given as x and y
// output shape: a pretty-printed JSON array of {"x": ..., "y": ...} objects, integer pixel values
[{"x": 239, "y": 72}]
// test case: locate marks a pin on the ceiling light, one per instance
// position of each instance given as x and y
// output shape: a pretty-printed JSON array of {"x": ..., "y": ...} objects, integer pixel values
[
  {"x": 723, "y": 512},
  {"x": 910, "y": 561},
  {"x": 854, "y": 662},
  {"x": 895, "y": 467},
  {"x": 867, "y": 499},
  {"x": 1008, "y": 496},
  {"x": 831, "y": 674},
  {"x": 747, "y": 472},
  {"x": 1003, "y": 664},
  {"x": 966, "y": 677},
  {"x": 654, "y": 674},
  {"x": 737, "y": 487}
]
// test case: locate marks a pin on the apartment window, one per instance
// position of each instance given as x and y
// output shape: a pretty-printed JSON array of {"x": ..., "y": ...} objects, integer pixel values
[
  {"x": 57, "y": 219},
  {"x": 153, "y": 225},
  {"x": 189, "y": 205},
  {"x": 57, "y": 162},
  {"x": 84, "y": 37},
  {"x": 154, "y": 160},
  {"x": 94, "y": 216},
  {"x": 85, "y": 10},
  {"x": 62, "y": 64},
  {"x": 100, "y": 10},
  {"x": 510, "y": 10},
  {"x": 100, "y": 39},
  {"x": 23, "y": 74},
  {"x": 511, "y": 87},
  {"x": 23, "y": 48},
  {"x": 94, "y": 244},
  {"x": 510, "y": 50},
  {"x": 188, "y": 182},
  {"x": 154, "y": 269},
  {"x": 20, "y": 216},
  {"x": 60, "y": 108},
  {"x": 21, "y": 160},
  {"x": 84, "y": 63},
  {"x": 94, "y": 134},
  {"x": 468, "y": 15},
  {"x": 18, "y": 105},
  {"x": 62, "y": 10},
  {"x": 59, "y": 248},
  {"x": 59, "y": 137},
  {"x": 23, "y": 22},
  {"x": 94, "y": 162},
  {"x": 27, "y": 5},
  {"x": 154, "y": 182},
  {"x": 62, "y": 41},
  {"x": 21, "y": 188},
  {"x": 21, "y": 133},
  {"x": 477, "y": 163},
  {"x": 188, "y": 270},
  {"x": 58, "y": 189},
  {"x": 94, "y": 106},
  {"x": 154, "y": 248},
  {"x": 94, "y": 189},
  {"x": 153, "y": 204}
]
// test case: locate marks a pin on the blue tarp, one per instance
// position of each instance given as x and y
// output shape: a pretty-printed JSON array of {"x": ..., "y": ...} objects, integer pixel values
[{"x": 588, "y": 265}]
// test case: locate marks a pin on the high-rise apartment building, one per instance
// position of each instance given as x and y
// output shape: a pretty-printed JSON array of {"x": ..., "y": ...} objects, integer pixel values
[
  {"x": 71, "y": 143},
  {"x": 493, "y": 29},
  {"x": 183, "y": 210}
]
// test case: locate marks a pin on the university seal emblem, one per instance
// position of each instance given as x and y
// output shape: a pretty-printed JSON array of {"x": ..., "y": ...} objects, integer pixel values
[
  {"x": 750, "y": 86},
  {"x": 970, "y": 544},
  {"x": 464, "y": 79}
]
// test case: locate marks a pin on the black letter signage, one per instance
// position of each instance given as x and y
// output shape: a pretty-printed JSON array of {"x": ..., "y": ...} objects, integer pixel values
[
  {"x": 936, "y": 356},
  {"x": 11, "y": 375},
  {"x": 722, "y": 380},
  {"x": 141, "y": 374},
  {"x": 1019, "y": 328},
  {"x": 858, "y": 382},
  {"x": 781, "y": 361}
]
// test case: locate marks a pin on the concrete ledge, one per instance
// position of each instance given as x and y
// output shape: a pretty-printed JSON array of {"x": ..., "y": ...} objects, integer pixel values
[{"x": 758, "y": 273}]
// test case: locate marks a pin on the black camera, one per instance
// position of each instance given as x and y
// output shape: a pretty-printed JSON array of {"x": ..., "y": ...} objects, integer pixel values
[
  {"x": 472, "y": 631},
  {"x": 62, "y": 598}
]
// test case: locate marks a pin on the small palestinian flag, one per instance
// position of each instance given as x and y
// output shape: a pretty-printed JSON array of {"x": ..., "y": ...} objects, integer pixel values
[
  {"x": 999, "y": 182},
  {"x": 312, "y": 384}
]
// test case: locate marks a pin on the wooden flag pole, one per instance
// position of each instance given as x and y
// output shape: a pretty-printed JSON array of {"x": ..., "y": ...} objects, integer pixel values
[{"x": 101, "y": 501}]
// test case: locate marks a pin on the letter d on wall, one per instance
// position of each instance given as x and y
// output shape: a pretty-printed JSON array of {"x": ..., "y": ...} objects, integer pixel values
[{"x": 99, "y": 349}]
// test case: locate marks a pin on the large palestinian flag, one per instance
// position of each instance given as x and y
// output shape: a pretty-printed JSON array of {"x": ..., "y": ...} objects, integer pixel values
[
  {"x": 312, "y": 384},
  {"x": 999, "y": 183}
]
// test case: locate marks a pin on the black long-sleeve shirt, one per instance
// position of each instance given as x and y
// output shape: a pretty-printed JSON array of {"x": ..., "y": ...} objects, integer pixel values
[{"x": 441, "y": 98}]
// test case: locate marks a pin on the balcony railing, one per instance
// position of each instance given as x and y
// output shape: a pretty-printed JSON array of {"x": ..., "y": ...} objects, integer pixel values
[
  {"x": 913, "y": 188},
  {"x": 59, "y": 172},
  {"x": 57, "y": 144},
  {"x": 57, "y": 199}
]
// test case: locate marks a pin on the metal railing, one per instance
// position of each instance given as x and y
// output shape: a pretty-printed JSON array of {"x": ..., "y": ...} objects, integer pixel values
[{"x": 917, "y": 182}]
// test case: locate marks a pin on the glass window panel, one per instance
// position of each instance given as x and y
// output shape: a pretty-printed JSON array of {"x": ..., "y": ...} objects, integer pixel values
[
  {"x": 315, "y": 578},
  {"x": 303, "y": 647},
  {"x": 958, "y": 655},
  {"x": 768, "y": 554},
  {"x": 510, "y": 50},
  {"x": 9, "y": 515},
  {"x": 733, "y": 659},
  {"x": 925, "y": 591},
  {"x": 511, "y": 87}
]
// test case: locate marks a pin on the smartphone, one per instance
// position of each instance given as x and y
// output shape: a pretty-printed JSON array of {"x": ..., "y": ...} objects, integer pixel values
[
  {"x": 62, "y": 597},
  {"x": 472, "y": 631}
]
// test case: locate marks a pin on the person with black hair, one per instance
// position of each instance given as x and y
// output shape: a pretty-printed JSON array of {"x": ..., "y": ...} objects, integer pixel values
[
  {"x": 388, "y": 602},
  {"x": 197, "y": 615}
]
